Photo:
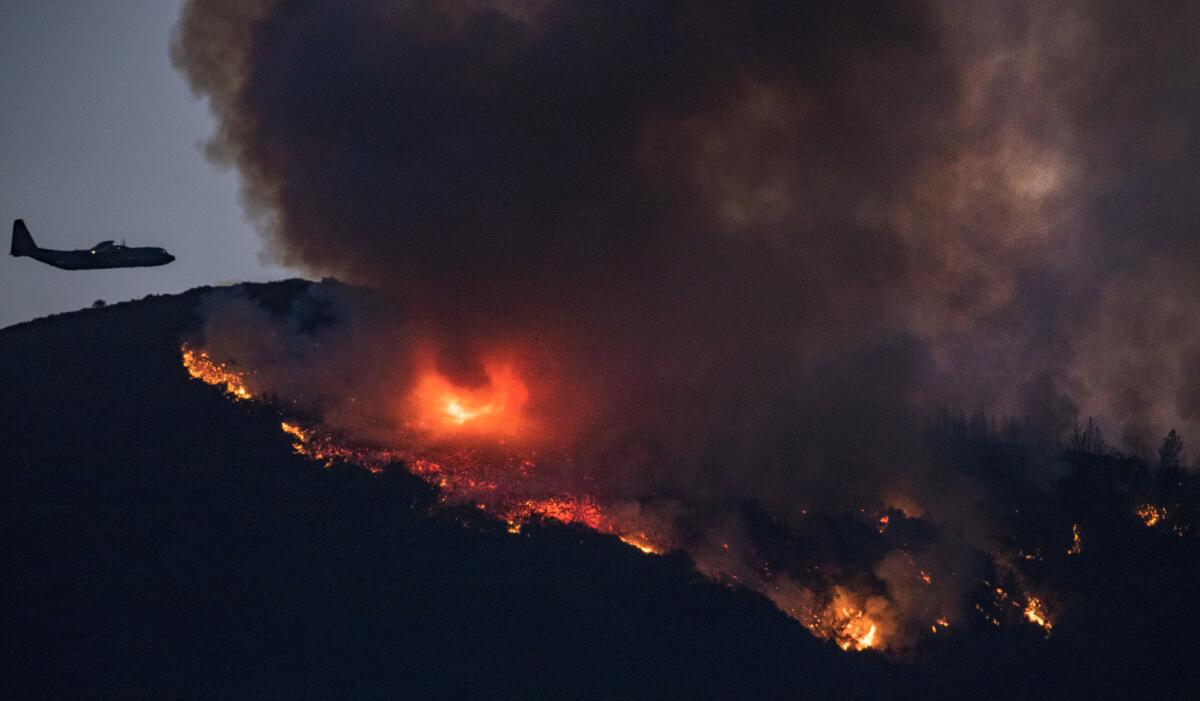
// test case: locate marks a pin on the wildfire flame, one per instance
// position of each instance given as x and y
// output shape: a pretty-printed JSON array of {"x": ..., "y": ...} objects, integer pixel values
[
  {"x": 513, "y": 486},
  {"x": 850, "y": 620},
  {"x": 1076, "y": 542},
  {"x": 201, "y": 366},
  {"x": 852, "y": 637},
  {"x": 1034, "y": 610},
  {"x": 300, "y": 446},
  {"x": 1151, "y": 514},
  {"x": 1036, "y": 613},
  {"x": 641, "y": 542},
  {"x": 495, "y": 408}
]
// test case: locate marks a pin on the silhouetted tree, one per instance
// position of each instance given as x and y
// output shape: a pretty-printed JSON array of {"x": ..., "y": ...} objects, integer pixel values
[
  {"x": 1090, "y": 440},
  {"x": 1170, "y": 454}
]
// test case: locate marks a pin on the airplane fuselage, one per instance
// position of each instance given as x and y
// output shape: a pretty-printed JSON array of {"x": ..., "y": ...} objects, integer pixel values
[
  {"x": 105, "y": 254},
  {"x": 117, "y": 257}
]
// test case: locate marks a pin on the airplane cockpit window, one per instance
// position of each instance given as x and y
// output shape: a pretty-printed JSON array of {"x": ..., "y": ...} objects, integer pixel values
[{"x": 102, "y": 245}]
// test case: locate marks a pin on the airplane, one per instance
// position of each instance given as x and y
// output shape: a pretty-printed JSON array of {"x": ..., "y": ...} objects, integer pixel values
[{"x": 105, "y": 254}]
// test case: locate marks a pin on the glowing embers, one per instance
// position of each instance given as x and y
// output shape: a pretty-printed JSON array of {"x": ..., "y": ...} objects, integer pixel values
[
  {"x": 1033, "y": 610},
  {"x": 506, "y": 488},
  {"x": 852, "y": 621},
  {"x": 495, "y": 407},
  {"x": 641, "y": 542},
  {"x": 567, "y": 509},
  {"x": 582, "y": 510},
  {"x": 296, "y": 432},
  {"x": 859, "y": 633},
  {"x": 1076, "y": 542},
  {"x": 1152, "y": 514},
  {"x": 848, "y": 624},
  {"x": 201, "y": 366},
  {"x": 1035, "y": 613}
]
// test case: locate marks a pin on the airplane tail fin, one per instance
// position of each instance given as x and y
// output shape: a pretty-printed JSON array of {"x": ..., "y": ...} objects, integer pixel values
[{"x": 22, "y": 242}]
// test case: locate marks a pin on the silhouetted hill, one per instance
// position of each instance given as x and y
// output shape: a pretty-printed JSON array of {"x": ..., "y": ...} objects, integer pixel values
[{"x": 162, "y": 541}]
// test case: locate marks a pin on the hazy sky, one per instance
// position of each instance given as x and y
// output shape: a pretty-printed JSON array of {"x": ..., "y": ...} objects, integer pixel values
[{"x": 99, "y": 139}]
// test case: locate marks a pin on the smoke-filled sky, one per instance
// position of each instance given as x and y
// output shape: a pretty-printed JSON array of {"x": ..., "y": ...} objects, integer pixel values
[
  {"x": 735, "y": 251},
  {"x": 99, "y": 139},
  {"x": 870, "y": 206}
]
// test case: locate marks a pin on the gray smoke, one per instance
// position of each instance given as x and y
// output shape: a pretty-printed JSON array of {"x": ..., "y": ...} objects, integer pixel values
[{"x": 736, "y": 247}]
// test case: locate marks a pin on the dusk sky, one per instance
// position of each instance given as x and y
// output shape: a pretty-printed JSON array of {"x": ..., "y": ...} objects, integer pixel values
[{"x": 100, "y": 139}]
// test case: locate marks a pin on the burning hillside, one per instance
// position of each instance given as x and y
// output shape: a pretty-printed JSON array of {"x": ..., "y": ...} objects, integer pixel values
[
  {"x": 911, "y": 587},
  {"x": 726, "y": 279},
  {"x": 161, "y": 517},
  {"x": 480, "y": 446}
]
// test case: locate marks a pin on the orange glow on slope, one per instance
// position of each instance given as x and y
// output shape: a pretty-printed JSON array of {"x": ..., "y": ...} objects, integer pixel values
[
  {"x": 472, "y": 461},
  {"x": 639, "y": 541},
  {"x": 854, "y": 622},
  {"x": 1036, "y": 614},
  {"x": 201, "y": 366},
  {"x": 1151, "y": 514},
  {"x": 858, "y": 634},
  {"x": 496, "y": 407},
  {"x": 566, "y": 509}
]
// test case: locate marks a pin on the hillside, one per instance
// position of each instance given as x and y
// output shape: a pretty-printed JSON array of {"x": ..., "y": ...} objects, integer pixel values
[{"x": 161, "y": 540}]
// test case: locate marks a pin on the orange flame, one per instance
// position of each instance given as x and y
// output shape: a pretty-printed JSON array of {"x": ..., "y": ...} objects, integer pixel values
[
  {"x": 1036, "y": 614},
  {"x": 201, "y": 366},
  {"x": 1076, "y": 542},
  {"x": 641, "y": 542},
  {"x": 1151, "y": 514},
  {"x": 495, "y": 408},
  {"x": 854, "y": 622},
  {"x": 469, "y": 473}
]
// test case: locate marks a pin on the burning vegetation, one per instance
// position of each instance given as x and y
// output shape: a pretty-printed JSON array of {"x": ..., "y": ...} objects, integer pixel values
[
  {"x": 201, "y": 366},
  {"x": 703, "y": 276},
  {"x": 495, "y": 408},
  {"x": 466, "y": 442},
  {"x": 358, "y": 565},
  {"x": 1151, "y": 514}
]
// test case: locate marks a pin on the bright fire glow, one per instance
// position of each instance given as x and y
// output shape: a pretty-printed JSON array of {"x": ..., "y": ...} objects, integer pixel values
[
  {"x": 300, "y": 446},
  {"x": 294, "y": 430},
  {"x": 201, "y": 366},
  {"x": 1076, "y": 541},
  {"x": 1151, "y": 514},
  {"x": 848, "y": 619},
  {"x": 639, "y": 541},
  {"x": 860, "y": 642},
  {"x": 518, "y": 488},
  {"x": 1035, "y": 613},
  {"x": 583, "y": 511},
  {"x": 496, "y": 407}
]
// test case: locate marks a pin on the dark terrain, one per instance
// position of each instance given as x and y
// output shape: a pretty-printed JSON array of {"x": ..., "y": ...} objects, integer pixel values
[{"x": 163, "y": 541}]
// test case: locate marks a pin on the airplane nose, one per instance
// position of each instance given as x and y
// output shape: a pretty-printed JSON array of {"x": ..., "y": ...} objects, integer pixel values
[{"x": 170, "y": 258}]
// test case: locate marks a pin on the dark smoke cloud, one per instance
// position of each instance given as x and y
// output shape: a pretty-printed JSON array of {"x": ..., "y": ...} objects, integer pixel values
[
  {"x": 667, "y": 198},
  {"x": 737, "y": 245}
]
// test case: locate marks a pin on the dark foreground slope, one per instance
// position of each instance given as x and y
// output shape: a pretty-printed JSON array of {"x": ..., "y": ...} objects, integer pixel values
[{"x": 160, "y": 540}]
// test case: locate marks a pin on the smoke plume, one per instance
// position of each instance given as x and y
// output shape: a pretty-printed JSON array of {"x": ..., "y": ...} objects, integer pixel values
[{"x": 732, "y": 248}]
